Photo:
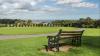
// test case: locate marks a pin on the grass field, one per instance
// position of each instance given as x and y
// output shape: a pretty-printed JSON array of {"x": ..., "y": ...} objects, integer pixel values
[
  {"x": 31, "y": 30},
  {"x": 43, "y": 30},
  {"x": 31, "y": 46}
]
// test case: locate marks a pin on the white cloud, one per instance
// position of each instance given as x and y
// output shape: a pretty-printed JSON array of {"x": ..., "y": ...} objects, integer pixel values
[
  {"x": 19, "y": 3},
  {"x": 46, "y": 9},
  {"x": 51, "y": 9},
  {"x": 16, "y": 11},
  {"x": 33, "y": 3},
  {"x": 10, "y": 5},
  {"x": 68, "y": 1},
  {"x": 3, "y": 6},
  {"x": 85, "y": 4},
  {"x": 77, "y": 3}
]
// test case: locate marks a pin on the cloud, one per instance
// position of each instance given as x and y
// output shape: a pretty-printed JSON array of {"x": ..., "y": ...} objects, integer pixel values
[
  {"x": 50, "y": 9},
  {"x": 19, "y": 3},
  {"x": 85, "y": 4},
  {"x": 68, "y": 1},
  {"x": 46, "y": 9},
  {"x": 77, "y": 3},
  {"x": 11, "y": 5},
  {"x": 16, "y": 6}
]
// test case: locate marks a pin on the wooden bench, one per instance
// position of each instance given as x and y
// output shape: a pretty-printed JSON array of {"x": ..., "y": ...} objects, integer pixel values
[{"x": 54, "y": 41}]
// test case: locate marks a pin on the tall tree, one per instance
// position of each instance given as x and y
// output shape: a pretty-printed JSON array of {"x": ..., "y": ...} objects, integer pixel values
[{"x": 29, "y": 23}]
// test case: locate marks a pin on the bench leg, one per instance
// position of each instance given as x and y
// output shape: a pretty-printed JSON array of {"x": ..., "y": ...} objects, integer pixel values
[
  {"x": 46, "y": 47},
  {"x": 57, "y": 47},
  {"x": 50, "y": 46},
  {"x": 78, "y": 41},
  {"x": 73, "y": 41}
]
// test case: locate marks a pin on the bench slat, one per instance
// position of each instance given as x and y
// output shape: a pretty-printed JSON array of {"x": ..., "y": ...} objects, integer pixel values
[
  {"x": 71, "y": 32},
  {"x": 70, "y": 36}
]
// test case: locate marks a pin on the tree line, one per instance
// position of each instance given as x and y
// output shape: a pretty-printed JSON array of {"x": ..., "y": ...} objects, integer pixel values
[{"x": 82, "y": 22}]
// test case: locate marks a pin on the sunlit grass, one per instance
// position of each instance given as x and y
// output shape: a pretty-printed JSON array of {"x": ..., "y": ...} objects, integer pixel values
[
  {"x": 31, "y": 30},
  {"x": 32, "y": 46}
]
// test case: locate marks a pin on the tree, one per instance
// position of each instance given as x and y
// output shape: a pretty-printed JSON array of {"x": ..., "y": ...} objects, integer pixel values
[
  {"x": 97, "y": 23},
  {"x": 29, "y": 23},
  {"x": 86, "y": 22}
]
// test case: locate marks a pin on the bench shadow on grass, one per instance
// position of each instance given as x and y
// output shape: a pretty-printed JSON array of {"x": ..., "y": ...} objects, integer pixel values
[
  {"x": 91, "y": 41},
  {"x": 90, "y": 46}
]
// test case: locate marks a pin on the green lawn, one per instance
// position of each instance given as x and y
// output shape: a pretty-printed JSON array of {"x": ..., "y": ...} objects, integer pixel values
[
  {"x": 31, "y": 46},
  {"x": 32, "y": 30},
  {"x": 43, "y": 30}
]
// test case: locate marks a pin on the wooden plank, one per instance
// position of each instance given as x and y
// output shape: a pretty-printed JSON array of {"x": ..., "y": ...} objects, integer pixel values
[
  {"x": 68, "y": 36},
  {"x": 71, "y": 31},
  {"x": 76, "y": 34}
]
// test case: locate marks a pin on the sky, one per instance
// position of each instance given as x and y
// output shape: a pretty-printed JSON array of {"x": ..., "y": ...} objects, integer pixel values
[{"x": 49, "y": 9}]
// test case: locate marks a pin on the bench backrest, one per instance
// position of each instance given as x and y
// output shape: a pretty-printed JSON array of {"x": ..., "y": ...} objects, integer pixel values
[{"x": 66, "y": 34}]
